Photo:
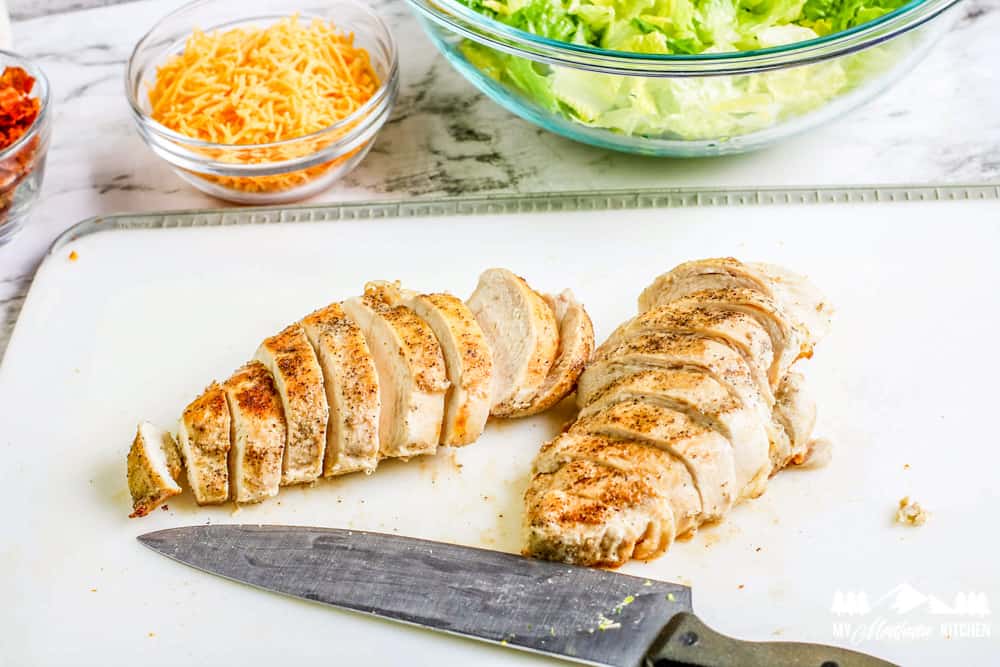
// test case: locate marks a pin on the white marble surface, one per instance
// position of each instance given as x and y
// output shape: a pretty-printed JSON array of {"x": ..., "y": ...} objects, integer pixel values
[{"x": 940, "y": 124}]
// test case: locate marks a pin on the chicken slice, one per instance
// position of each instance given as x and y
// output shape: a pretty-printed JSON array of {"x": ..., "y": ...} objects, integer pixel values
[
  {"x": 589, "y": 514},
  {"x": 203, "y": 440},
  {"x": 412, "y": 375},
  {"x": 467, "y": 356},
  {"x": 523, "y": 336},
  {"x": 154, "y": 466},
  {"x": 671, "y": 475},
  {"x": 707, "y": 455},
  {"x": 703, "y": 399},
  {"x": 352, "y": 391},
  {"x": 257, "y": 436},
  {"x": 299, "y": 380},
  {"x": 738, "y": 330},
  {"x": 576, "y": 345},
  {"x": 795, "y": 411}
]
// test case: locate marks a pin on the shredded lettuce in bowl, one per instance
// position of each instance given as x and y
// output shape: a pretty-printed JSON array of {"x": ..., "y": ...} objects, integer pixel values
[{"x": 692, "y": 108}]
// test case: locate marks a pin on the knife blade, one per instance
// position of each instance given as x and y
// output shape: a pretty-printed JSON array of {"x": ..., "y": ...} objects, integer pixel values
[{"x": 580, "y": 614}]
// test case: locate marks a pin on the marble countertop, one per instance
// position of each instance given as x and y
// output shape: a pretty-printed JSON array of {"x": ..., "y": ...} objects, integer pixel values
[{"x": 940, "y": 124}]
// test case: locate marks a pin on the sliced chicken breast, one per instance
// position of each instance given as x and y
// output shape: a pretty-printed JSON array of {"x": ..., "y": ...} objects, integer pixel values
[
  {"x": 412, "y": 376},
  {"x": 523, "y": 336},
  {"x": 738, "y": 330},
  {"x": 705, "y": 400},
  {"x": 707, "y": 455},
  {"x": 629, "y": 455},
  {"x": 154, "y": 466},
  {"x": 258, "y": 434},
  {"x": 589, "y": 514},
  {"x": 467, "y": 356},
  {"x": 576, "y": 345},
  {"x": 299, "y": 379},
  {"x": 352, "y": 391},
  {"x": 203, "y": 440}
]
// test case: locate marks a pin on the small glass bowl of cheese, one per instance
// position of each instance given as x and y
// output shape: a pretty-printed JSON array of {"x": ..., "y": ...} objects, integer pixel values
[{"x": 263, "y": 101}]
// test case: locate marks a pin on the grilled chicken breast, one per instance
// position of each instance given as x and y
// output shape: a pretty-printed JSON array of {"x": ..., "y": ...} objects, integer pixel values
[
  {"x": 257, "y": 436},
  {"x": 467, "y": 356},
  {"x": 352, "y": 391},
  {"x": 576, "y": 345},
  {"x": 413, "y": 379},
  {"x": 154, "y": 466},
  {"x": 701, "y": 376},
  {"x": 203, "y": 439},
  {"x": 299, "y": 380},
  {"x": 523, "y": 336}
]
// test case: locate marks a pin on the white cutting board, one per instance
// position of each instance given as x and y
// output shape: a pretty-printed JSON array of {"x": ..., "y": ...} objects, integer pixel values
[{"x": 143, "y": 319}]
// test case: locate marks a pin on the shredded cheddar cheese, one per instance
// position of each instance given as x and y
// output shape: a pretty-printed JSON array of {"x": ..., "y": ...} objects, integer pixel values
[{"x": 243, "y": 87}]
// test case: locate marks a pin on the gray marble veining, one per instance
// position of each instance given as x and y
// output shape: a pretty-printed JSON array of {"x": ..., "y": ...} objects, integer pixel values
[{"x": 941, "y": 123}]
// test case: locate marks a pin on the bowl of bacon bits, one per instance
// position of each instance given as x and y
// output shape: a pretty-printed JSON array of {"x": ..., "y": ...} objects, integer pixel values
[
  {"x": 24, "y": 140},
  {"x": 263, "y": 101}
]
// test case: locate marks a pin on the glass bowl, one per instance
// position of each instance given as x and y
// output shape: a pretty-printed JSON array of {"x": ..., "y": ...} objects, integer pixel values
[
  {"x": 22, "y": 164},
  {"x": 682, "y": 105},
  {"x": 280, "y": 171}
]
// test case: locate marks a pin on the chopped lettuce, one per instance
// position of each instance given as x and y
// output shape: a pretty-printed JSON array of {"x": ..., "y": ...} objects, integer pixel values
[{"x": 686, "y": 108}]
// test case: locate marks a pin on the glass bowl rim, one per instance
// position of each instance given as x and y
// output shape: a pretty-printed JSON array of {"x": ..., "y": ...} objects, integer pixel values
[
  {"x": 44, "y": 95},
  {"x": 381, "y": 94},
  {"x": 459, "y": 18}
]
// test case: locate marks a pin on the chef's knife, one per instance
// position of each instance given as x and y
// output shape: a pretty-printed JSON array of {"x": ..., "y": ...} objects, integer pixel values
[{"x": 580, "y": 614}]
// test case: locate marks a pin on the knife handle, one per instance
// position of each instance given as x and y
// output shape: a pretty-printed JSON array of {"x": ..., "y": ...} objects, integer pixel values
[{"x": 687, "y": 641}]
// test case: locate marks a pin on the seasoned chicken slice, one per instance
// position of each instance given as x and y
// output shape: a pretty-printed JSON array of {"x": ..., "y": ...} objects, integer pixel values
[
  {"x": 589, "y": 514},
  {"x": 154, "y": 466},
  {"x": 576, "y": 345},
  {"x": 671, "y": 475},
  {"x": 352, "y": 391},
  {"x": 707, "y": 455},
  {"x": 412, "y": 376},
  {"x": 738, "y": 330},
  {"x": 299, "y": 379},
  {"x": 800, "y": 299},
  {"x": 705, "y": 400},
  {"x": 672, "y": 350},
  {"x": 258, "y": 434},
  {"x": 203, "y": 441},
  {"x": 795, "y": 411},
  {"x": 523, "y": 337},
  {"x": 467, "y": 356}
]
